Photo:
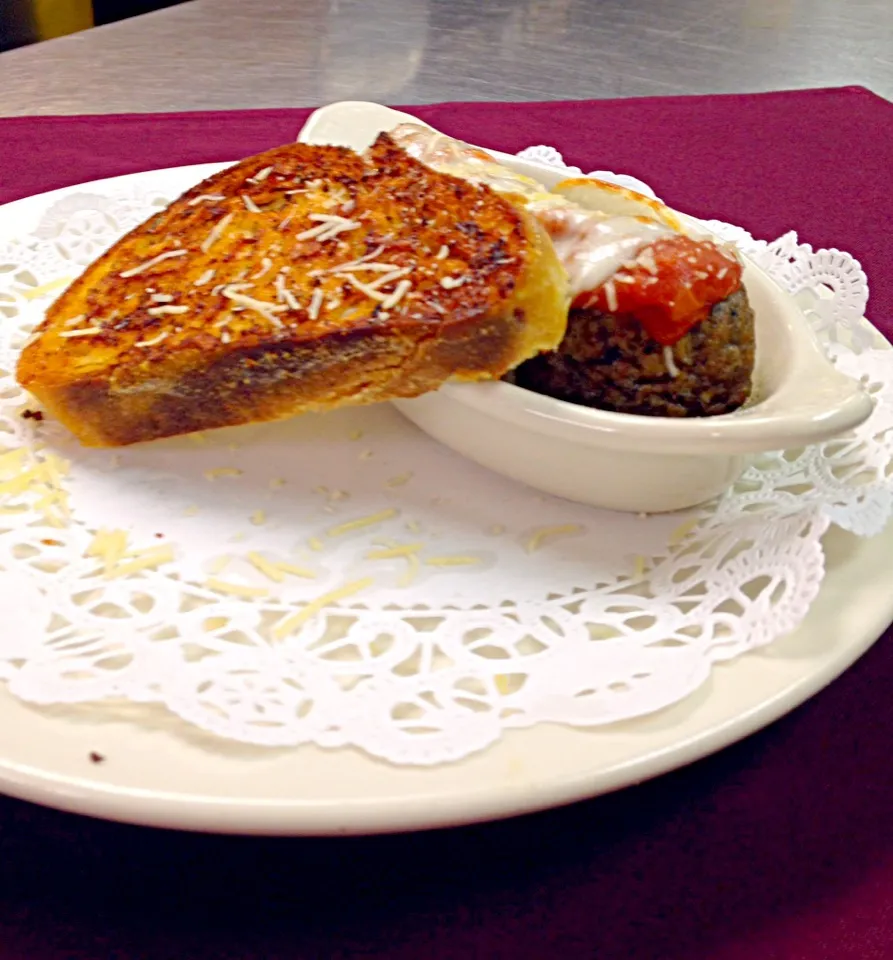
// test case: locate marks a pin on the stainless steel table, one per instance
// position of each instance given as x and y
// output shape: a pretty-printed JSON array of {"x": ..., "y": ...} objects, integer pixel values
[{"x": 218, "y": 54}]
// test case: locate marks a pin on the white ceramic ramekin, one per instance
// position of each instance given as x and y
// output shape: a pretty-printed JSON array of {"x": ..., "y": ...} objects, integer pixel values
[{"x": 619, "y": 461}]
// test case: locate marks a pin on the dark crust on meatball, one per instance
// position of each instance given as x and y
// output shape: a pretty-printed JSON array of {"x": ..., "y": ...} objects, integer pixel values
[{"x": 609, "y": 361}]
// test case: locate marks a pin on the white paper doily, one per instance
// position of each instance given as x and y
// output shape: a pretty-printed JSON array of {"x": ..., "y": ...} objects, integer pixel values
[{"x": 343, "y": 580}]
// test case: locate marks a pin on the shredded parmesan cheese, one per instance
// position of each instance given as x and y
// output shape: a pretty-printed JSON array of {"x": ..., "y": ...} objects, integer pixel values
[
  {"x": 206, "y": 277},
  {"x": 646, "y": 259},
  {"x": 315, "y": 544},
  {"x": 285, "y": 295},
  {"x": 297, "y": 571},
  {"x": 219, "y": 564},
  {"x": 358, "y": 524},
  {"x": 315, "y": 304},
  {"x": 167, "y": 255},
  {"x": 391, "y": 553},
  {"x": 271, "y": 570},
  {"x": 236, "y": 589},
  {"x": 85, "y": 332},
  {"x": 354, "y": 264},
  {"x": 250, "y": 205},
  {"x": 400, "y": 480},
  {"x": 450, "y": 283},
  {"x": 454, "y": 561},
  {"x": 290, "y": 624},
  {"x": 217, "y": 472},
  {"x": 109, "y": 546},
  {"x": 206, "y": 198},
  {"x": 403, "y": 287},
  {"x": 328, "y": 227},
  {"x": 162, "y": 298},
  {"x": 167, "y": 310},
  {"x": 266, "y": 265},
  {"x": 260, "y": 177},
  {"x": 149, "y": 559},
  {"x": 537, "y": 539},
  {"x": 266, "y": 309},
  {"x": 670, "y": 363},
  {"x": 682, "y": 531},
  {"x": 216, "y": 233},
  {"x": 258, "y": 518},
  {"x": 442, "y": 253},
  {"x": 154, "y": 340},
  {"x": 640, "y": 567},
  {"x": 611, "y": 296},
  {"x": 366, "y": 288},
  {"x": 36, "y": 292}
]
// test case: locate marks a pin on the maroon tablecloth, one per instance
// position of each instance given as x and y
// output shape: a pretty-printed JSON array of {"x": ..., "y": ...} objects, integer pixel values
[{"x": 780, "y": 848}]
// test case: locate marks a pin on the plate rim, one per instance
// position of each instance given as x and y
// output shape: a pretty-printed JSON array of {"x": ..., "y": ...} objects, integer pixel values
[{"x": 98, "y": 797}]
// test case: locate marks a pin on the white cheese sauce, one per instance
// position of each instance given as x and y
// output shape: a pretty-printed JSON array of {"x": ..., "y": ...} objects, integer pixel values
[{"x": 591, "y": 245}]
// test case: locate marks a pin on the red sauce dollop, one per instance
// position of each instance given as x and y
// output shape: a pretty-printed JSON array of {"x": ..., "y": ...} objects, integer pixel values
[{"x": 670, "y": 288}]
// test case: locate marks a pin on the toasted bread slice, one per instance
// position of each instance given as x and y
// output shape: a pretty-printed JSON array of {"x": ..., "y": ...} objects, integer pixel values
[{"x": 301, "y": 279}]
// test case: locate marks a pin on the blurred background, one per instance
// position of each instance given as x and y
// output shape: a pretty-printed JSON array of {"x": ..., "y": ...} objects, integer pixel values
[{"x": 28, "y": 21}]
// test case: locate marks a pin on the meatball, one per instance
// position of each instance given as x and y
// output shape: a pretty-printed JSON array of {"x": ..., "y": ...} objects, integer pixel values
[{"x": 608, "y": 361}]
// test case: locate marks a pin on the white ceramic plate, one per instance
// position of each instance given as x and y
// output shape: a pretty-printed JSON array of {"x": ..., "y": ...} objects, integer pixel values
[{"x": 157, "y": 771}]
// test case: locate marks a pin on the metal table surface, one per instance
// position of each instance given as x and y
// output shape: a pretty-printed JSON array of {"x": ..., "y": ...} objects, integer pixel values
[{"x": 221, "y": 54}]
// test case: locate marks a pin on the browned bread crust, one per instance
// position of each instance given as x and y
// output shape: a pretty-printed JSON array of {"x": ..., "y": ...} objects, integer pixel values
[{"x": 301, "y": 279}]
